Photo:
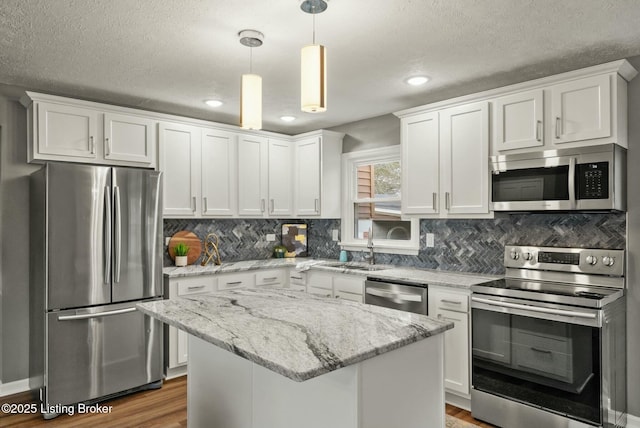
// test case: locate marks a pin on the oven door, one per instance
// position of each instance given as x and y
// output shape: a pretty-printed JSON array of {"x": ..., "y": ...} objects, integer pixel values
[{"x": 542, "y": 355}]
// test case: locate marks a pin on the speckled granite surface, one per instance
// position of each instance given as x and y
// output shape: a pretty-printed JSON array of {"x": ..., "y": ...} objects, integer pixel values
[
  {"x": 295, "y": 334},
  {"x": 407, "y": 274}
]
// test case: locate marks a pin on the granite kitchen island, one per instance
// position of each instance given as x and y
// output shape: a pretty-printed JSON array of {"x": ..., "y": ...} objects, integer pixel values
[{"x": 274, "y": 358}]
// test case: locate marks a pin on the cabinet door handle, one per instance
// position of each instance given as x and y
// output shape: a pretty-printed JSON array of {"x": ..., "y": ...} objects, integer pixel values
[
  {"x": 447, "y": 201},
  {"x": 558, "y": 124},
  {"x": 538, "y": 126},
  {"x": 196, "y": 287},
  {"x": 261, "y": 205},
  {"x": 234, "y": 283},
  {"x": 106, "y": 149},
  {"x": 193, "y": 203},
  {"x": 316, "y": 202},
  {"x": 271, "y": 206},
  {"x": 452, "y": 302},
  {"x": 92, "y": 146},
  {"x": 271, "y": 278},
  {"x": 542, "y": 351},
  {"x": 296, "y": 277},
  {"x": 435, "y": 201},
  {"x": 204, "y": 204}
]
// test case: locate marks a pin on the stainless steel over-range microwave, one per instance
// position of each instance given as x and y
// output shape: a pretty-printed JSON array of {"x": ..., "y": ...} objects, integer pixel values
[{"x": 585, "y": 178}]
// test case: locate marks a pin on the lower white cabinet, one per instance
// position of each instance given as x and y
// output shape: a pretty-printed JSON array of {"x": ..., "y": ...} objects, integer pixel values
[
  {"x": 337, "y": 285},
  {"x": 229, "y": 281},
  {"x": 271, "y": 278},
  {"x": 453, "y": 305},
  {"x": 176, "y": 348}
]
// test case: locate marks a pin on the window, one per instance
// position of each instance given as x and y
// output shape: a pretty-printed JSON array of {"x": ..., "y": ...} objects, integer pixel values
[{"x": 371, "y": 203}]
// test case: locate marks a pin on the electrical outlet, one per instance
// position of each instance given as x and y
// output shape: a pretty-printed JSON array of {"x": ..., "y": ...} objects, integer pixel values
[
  {"x": 271, "y": 237},
  {"x": 430, "y": 238},
  {"x": 334, "y": 234}
]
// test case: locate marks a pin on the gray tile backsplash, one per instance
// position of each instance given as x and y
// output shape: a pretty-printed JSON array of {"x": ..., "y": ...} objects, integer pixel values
[{"x": 460, "y": 245}]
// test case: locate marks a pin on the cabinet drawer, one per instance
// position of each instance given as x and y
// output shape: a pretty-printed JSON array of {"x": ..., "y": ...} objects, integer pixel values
[
  {"x": 241, "y": 280},
  {"x": 450, "y": 301},
  {"x": 350, "y": 296},
  {"x": 297, "y": 278},
  {"x": 199, "y": 285},
  {"x": 270, "y": 277},
  {"x": 325, "y": 292},
  {"x": 349, "y": 285}
]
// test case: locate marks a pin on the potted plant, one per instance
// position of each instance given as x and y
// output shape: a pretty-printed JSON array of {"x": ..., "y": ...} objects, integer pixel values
[{"x": 181, "y": 250}]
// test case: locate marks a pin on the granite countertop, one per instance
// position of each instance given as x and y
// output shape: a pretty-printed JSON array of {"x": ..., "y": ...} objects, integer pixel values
[
  {"x": 407, "y": 274},
  {"x": 295, "y": 334}
]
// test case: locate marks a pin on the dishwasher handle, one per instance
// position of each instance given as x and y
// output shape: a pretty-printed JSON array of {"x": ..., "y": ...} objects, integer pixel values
[{"x": 393, "y": 295}]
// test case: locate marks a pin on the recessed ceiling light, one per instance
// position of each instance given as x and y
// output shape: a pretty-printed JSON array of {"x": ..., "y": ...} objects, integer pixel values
[
  {"x": 213, "y": 103},
  {"x": 417, "y": 80},
  {"x": 287, "y": 118}
]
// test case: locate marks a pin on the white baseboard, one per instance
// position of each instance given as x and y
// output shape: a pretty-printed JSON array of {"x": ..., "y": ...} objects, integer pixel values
[
  {"x": 633, "y": 421},
  {"x": 14, "y": 387}
]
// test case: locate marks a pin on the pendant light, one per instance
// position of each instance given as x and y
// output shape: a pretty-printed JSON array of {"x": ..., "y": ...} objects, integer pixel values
[
  {"x": 251, "y": 85},
  {"x": 313, "y": 66}
]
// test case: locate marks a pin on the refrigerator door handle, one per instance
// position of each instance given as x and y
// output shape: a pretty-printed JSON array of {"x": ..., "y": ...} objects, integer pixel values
[
  {"x": 118, "y": 234},
  {"x": 96, "y": 315},
  {"x": 107, "y": 234}
]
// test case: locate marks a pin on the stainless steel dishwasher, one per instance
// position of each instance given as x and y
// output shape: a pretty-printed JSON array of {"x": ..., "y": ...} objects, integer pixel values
[{"x": 401, "y": 295}]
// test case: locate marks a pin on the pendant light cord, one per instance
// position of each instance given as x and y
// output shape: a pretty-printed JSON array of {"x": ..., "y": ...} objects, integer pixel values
[
  {"x": 314, "y": 29},
  {"x": 250, "y": 59}
]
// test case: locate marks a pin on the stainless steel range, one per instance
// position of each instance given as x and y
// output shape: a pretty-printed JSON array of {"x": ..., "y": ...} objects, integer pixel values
[{"x": 549, "y": 340}]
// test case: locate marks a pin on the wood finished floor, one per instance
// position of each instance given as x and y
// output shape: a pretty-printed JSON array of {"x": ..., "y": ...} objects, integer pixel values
[{"x": 165, "y": 408}]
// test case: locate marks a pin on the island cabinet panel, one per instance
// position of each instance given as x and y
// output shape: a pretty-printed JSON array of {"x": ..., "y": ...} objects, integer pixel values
[
  {"x": 453, "y": 305},
  {"x": 400, "y": 388},
  {"x": 176, "y": 343}
]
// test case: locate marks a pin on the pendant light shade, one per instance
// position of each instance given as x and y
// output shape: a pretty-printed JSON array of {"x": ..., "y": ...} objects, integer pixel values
[
  {"x": 251, "y": 102},
  {"x": 313, "y": 78},
  {"x": 251, "y": 85}
]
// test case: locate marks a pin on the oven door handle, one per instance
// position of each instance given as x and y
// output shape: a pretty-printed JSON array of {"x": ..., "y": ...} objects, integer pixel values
[
  {"x": 534, "y": 308},
  {"x": 405, "y": 297}
]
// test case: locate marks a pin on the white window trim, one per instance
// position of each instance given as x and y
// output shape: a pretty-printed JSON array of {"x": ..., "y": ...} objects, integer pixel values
[{"x": 349, "y": 177}]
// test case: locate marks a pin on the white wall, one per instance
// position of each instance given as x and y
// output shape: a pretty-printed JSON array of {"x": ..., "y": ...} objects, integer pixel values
[{"x": 371, "y": 133}]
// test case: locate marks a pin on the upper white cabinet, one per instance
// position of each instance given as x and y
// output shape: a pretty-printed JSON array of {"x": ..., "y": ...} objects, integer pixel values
[
  {"x": 280, "y": 189},
  {"x": 445, "y": 171},
  {"x": 420, "y": 164},
  {"x": 581, "y": 109},
  {"x": 199, "y": 171},
  {"x": 317, "y": 174},
  {"x": 252, "y": 175},
  {"x": 218, "y": 173},
  {"x": 180, "y": 164},
  {"x": 518, "y": 121},
  {"x": 68, "y": 130}
]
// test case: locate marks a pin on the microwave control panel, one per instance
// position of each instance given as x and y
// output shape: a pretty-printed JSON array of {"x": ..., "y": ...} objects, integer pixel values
[{"x": 592, "y": 180}]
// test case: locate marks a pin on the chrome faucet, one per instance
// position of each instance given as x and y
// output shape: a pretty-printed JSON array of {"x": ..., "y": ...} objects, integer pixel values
[{"x": 371, "y": 256}]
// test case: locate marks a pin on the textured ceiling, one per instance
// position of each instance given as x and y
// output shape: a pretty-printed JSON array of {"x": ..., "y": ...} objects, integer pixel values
[{"x": 171, "y": 55}]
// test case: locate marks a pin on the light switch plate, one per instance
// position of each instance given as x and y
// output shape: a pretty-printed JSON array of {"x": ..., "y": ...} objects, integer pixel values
[
  {"x": 271, "y": 237},
  {"x": 334, "y": 234},
  {"x": 430, "y": 238}
]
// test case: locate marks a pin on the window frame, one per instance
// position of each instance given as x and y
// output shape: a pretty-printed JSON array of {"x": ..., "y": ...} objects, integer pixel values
[{"x": 350, "y": 163}]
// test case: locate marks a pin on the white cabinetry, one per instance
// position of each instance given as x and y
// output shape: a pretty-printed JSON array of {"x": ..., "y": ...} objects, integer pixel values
[
  {"x": 271, "y": 278},
  {"x": 280, "y": 189},
  {"x": 337, "y": 285},
  {"x": 519, "y": 121},
  {"x": 68, "y": 130},
  {"x": 445, "y": 169},
  {"x": 180, "y": 165},
  {"x": 453, "y": 305},
  {"x": 317, "y": 174},
  {"x": 176, "y": 351},
  {"x": 581, "y": 109},
  {"x": 252, "y": 175},
  {"x": 229, "y": 281},
  {"x": 199, "y": 171}
]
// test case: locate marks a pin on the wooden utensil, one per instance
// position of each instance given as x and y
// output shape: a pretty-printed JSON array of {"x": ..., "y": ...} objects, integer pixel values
[{"x": 191, "y": 240}]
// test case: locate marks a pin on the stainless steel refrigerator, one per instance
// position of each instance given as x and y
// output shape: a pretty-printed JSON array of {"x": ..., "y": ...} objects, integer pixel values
[{"x": 96, "y": 242}]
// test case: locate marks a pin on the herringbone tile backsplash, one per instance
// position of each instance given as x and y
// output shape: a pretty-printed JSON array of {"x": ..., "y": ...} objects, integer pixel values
[{"x": 460, "y": 245}]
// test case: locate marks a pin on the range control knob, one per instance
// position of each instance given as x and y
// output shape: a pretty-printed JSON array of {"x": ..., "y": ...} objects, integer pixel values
[
  {"x": 608, "y": 261},
  {"x": 527, "y": 255},
  {"x": 514, "y": 255},
  {"x": 592, "y": 260}
]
